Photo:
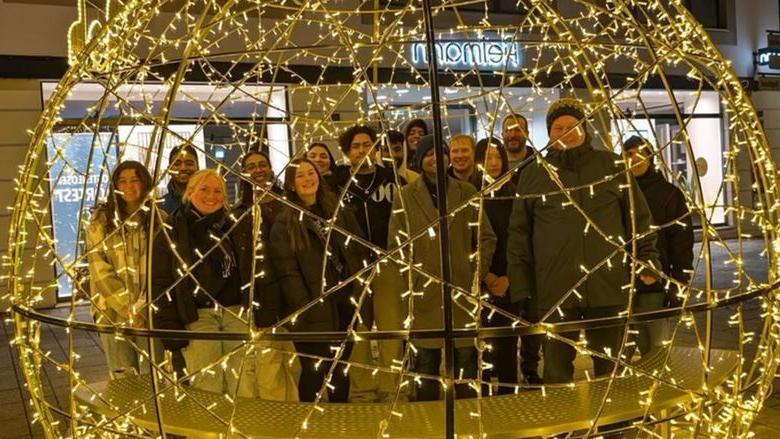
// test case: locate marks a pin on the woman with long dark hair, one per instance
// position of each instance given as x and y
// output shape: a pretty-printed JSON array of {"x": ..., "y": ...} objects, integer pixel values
[
  {"x": 298, "y": 250},
  {"x": 117, "y": 241},
  {"x": 320, "y": 156},
  {"x": 492, "y": 159}
]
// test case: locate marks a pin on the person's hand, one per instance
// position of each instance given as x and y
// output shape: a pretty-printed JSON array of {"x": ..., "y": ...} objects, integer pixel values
[
  {"x": 647, "y": 279},
  {"x": 499, "y": 287},
  {"x": 139, "y": 320}
]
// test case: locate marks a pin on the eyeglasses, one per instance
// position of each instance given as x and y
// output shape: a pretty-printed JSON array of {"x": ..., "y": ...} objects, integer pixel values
[{"x": 255, "y": 166}]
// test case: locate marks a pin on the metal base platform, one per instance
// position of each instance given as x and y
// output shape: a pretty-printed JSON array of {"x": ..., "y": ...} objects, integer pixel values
[{"x": 528, "y": 413}]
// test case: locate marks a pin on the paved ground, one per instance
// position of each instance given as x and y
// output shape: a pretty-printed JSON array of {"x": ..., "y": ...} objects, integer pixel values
[{"x": 16, "y": 414}]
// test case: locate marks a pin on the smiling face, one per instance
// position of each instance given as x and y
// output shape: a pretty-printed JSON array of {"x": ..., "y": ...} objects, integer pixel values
[
  {"x": 359, "y": 148},
  {"x": 414, "y": 136},
  {"x": 566, "y": 132},
  {"x": 130, "y": 187},
  {"x": 306, "y": 181},
  {"x": 208, "y": 196},
  {"x": 462, "y": 155},
  {"x": 182, "y": 167},
  {"x": 429, "y": 164},
  {"x": 493, "y": 162},
  {"x": 515, "y": 133},
  {"x": 258, "y": 168},
  {"x": 321, "y": 159}
]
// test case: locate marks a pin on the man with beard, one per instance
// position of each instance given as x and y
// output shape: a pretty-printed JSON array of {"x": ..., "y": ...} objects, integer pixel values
[
  {"x": 514, "y": 130},
  {"x": 472, "y": 243},
  {"x": 182, "y": 163},
  {"x": 370, "y": 194},
  {"x": 515, "y": 133},
  {"x": 415, "y": 130}
]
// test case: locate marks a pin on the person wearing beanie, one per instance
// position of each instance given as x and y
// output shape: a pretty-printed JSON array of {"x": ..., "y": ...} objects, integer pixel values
[
  {"x": 570, "y": 225},
  {"x": 674, "y": 241},
  {"x": 415, "y": 216}
]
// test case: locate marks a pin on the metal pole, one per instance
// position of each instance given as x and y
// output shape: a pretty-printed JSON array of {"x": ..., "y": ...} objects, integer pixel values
[{"x": 444, "y": 242}]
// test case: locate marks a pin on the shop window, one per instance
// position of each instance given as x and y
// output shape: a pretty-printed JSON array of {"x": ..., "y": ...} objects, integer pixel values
[
  {"x": 82, "y": 158},
  {"x": 712, "y": 14}
]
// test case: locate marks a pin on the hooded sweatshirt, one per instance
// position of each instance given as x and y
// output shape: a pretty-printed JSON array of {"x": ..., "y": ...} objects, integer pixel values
[{"x": 371, "y": 198}]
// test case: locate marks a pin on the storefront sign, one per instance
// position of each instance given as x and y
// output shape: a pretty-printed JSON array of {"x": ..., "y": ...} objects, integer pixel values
[
  {"x": 79, "y": 175},
  {"x": 464, "y": 55},
  {"x": 765, "y": 54}
]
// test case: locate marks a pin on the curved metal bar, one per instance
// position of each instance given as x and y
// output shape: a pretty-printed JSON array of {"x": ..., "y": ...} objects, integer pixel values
[{"x": 540, "y": 328}]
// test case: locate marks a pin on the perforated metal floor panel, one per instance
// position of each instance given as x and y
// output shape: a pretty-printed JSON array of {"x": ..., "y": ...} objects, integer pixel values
[{"x": 528, "y": 413}]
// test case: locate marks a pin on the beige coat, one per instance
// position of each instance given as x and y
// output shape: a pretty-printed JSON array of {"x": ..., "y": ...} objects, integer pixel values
[
  {"x": 464, "y": 238},
  {"x": 117, "y": 269}
]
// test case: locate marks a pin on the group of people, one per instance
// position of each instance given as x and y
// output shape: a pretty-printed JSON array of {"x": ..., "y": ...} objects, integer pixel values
[{"x": 577, "y": 233}]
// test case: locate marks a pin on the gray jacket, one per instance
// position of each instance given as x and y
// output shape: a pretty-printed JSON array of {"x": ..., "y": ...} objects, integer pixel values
[
  {"x": 548, "y": 245},
  {"x": 464, "y": 239}
]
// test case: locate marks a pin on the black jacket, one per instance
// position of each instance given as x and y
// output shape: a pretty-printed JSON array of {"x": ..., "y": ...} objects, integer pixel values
[
  {"x": 498, "y": 206},
  {"x": 174, "y": 293},
  {"x": 300, "y": 273},
  {"x": 373, "y": 205},
  {"x": 674, "y": 241},
  {"x": 548, "y": 244},
  {"x": 267, "y": 300},
  {"x": 529, "y": 158},
  {"x": 172, "y": 199}
]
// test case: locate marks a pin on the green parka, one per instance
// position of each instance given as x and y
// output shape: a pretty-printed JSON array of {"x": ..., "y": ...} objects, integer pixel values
[{"x": 550, "y": 249}]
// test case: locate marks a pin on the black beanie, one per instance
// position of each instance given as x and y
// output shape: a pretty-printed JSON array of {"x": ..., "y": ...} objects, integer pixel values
[
  {"x": 565, "y": 107},
  {"x": 425, "y": 144}
]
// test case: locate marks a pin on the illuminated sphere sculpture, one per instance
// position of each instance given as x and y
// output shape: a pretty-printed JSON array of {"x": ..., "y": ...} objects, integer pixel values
[{"x": 147, "y": 75}]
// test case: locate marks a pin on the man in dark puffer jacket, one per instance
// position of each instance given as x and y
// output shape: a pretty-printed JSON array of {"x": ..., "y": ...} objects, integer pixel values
[
  {"x": 674, "y": 240},
  {"x": 556, "y": 252}
]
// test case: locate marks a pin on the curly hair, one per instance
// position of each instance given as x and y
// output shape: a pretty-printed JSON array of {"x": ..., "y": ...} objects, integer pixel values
[{"x": 345, "y": 139}]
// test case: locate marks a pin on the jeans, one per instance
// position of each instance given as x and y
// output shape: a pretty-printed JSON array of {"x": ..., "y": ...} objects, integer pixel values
[
  {"x": 651, "y": 333},
  {"x": 559, "y": 356},
  {"x": 428, "y": 361},
  {"x": 200, "y": 354}
]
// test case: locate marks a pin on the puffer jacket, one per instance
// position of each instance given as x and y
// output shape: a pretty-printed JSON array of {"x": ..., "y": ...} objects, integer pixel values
[
  {"x": 300, "y": 273},
  {"x": 674, "y": 241},
  {"x": 550, "y": 250},
  {"x": 174, "y": 290}
]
